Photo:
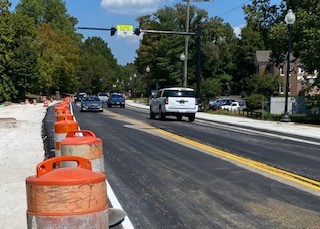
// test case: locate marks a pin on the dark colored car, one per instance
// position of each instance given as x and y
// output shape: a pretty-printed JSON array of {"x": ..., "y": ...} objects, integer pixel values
[
  {"x": 91, "y": 103},
  {"x": 214, "y": 105},
  {"x": 116, "y": 99},
  {"x": 79, "y": 96},
  {"x": 200, "y": 105}
]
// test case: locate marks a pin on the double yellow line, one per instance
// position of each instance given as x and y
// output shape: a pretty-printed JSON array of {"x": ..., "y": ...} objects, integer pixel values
[
  {"x": 313, "y": 184},
  {"x": 304, "y": 181}
]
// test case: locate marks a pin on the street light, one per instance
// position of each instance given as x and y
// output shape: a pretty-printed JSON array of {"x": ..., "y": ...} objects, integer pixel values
[
  {"x": 148, "y": 80},
  {"x": 182, "y": 58},
  {"x": 134, "y": 85},
  {"x": 289, "y": 19}
]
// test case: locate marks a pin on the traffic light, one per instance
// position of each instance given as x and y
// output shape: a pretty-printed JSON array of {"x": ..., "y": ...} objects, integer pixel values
[
  {"x": 113, "y": 31},
  {"x": 137, "y": 31}
]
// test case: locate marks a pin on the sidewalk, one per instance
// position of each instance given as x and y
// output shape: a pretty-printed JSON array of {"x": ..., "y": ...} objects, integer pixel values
[{"x": 273, "y": 126}]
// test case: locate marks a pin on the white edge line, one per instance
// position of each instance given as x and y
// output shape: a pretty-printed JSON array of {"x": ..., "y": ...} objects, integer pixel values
[
  {"x": 126, "y": 224},
  {"x": 115, "y": 204}
]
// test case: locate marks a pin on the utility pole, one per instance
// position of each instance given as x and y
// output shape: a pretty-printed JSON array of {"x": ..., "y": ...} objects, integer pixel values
[{"x": 185, "y": 69}]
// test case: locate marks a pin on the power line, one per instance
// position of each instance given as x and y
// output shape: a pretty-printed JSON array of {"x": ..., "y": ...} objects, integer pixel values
[{"x": 233, "y": 8}]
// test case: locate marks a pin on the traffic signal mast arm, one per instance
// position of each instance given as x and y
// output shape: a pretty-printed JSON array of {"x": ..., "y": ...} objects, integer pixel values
[
  {"x": 112, "y": 29},
  {"x": 138, "y": 31}
]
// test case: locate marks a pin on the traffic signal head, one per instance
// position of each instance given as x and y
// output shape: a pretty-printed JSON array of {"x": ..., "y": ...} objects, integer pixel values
[
  {"x": 137, "y": 31},
  {"x": 113, "y": 31}
]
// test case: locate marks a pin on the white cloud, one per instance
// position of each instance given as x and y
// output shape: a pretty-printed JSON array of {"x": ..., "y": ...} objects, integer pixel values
[
  {"x": 237, "y": 30},
  {"x": 130, "y": 6}
]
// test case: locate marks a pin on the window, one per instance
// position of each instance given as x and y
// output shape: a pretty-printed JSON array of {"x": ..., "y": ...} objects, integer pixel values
[
  {"x": 176, "y": 93},
  {"x": 281, "y": 71}
]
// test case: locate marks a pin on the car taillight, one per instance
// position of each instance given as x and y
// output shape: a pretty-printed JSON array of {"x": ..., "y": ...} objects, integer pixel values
[{"x": 166, "y": 101}]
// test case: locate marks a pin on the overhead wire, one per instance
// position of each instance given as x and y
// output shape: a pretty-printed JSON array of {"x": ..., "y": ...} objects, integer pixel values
[{"x": 234, "y": 8}]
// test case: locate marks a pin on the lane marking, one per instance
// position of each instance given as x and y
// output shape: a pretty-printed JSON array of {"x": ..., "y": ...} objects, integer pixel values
[
  {"x": 298, "y": 179},
  {"x": 313, "y": 184},
  {"x": 240, "y": 129}
]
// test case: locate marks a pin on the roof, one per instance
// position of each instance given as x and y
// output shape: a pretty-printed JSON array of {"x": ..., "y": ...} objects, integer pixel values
[
  {"x": 262, "y": 57},
  {"x": 178, "y": 89}
]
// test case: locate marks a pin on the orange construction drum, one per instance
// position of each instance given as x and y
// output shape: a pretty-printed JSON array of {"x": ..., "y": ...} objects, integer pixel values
[
  {"x": 61, "y": 128},
  {"x": 84, "y": 143},
  {"x": 67, "y": 197}
]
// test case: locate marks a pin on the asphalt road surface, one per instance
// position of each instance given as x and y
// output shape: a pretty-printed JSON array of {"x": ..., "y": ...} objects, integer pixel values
[{"x": 162, "y": 181}]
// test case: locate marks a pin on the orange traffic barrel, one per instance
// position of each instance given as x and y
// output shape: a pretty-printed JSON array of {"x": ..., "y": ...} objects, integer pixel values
[
  {"x": 84, "y": 143},
  {"x": 67, "y": 197},
  {"x": 59, "y": 109},
  {"x": 64, "y": 116},
  {"x": 61, "y": 128}
]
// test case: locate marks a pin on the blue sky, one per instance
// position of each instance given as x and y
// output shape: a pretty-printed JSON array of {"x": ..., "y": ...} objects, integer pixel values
[{"x": 110, "y": 13}]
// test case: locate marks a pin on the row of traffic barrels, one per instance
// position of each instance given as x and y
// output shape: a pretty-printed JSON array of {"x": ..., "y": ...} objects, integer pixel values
[{"x": 69, "y": 190}]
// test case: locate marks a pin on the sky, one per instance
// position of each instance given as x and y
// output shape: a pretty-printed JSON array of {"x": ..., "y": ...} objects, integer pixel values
[{"x": 110, "y": 13}]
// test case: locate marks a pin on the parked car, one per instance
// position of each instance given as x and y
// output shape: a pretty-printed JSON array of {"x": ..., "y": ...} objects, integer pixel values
[
  {"x": 235, "y": 106},
  {"x": 225, "y": 103},
  {"x": 222, "y": 103},
  {"x": 214, "y": 105},
  {"x": 116, "y": 99},
  {"x": 79, "y": 96},
  {"x": 200, "y": 105},
  {"x": 175, "y": 101},
  {"x": 91, "y": 103},
  {"x": 103, "y": 97}
]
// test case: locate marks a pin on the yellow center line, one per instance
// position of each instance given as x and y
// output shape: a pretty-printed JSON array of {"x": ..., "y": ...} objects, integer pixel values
[{"x": 313, "y": 184}]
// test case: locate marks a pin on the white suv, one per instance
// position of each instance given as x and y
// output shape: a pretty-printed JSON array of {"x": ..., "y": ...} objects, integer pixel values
[{"x": 176, "y": 101}]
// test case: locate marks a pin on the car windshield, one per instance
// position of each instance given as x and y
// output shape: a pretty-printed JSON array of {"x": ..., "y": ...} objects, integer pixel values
[
  {"x": 91, "y": 99},
  {"x": 116, "y": 96},
  {"x": 172, "y": 93},
  {"x": 102, "y": 94}
]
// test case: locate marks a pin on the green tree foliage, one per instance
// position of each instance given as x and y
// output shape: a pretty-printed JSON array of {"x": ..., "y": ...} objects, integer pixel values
[
  {"x": 6, "y": 53},
  {"x": 57, "y": 60},
  {"x": 18, "y": 62},
  {"x": 218, "y": 48},
  {"x": 254, "y": 101},
  {"x": 265, "y": 84},
  {"x": 51, "y": 12},
  {"x": 305, "y": 41},
  {"x": 260, "y": 17},
  {"x": 162, "y": 52},
  {"x": 210, "y": 89},
  {"x": 98, "y": 69}
]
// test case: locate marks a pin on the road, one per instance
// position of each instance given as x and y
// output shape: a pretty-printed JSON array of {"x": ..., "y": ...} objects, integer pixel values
[{"x": 164, "y": 181}]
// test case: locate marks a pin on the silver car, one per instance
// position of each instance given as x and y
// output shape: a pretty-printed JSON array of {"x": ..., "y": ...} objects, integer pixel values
[{"x": 91, "y": 103}]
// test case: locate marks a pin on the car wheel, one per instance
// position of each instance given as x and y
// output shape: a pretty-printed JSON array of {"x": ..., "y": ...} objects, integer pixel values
[
  {"x": 152, "y": 115},
  {"x": 179, "y": 117},
  {"x": 162, "y": 115},
  {"x": 191, "y": 118}
]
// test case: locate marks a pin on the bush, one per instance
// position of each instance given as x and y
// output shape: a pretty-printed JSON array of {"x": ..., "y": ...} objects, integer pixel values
[{"x": 254, "y": 101}]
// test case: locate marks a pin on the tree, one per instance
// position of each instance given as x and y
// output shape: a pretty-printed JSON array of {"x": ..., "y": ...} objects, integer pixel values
[
  {"x": 6, "y": 53},
  {"x": 57, "y": 56},
  {"x": 18, "y": 72},
  {"x": 161, "y": 52},
  {"x": 98, "y": 69},
  {"x": 265, "y": 84},
  {"x": 52, "y": 12}
]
